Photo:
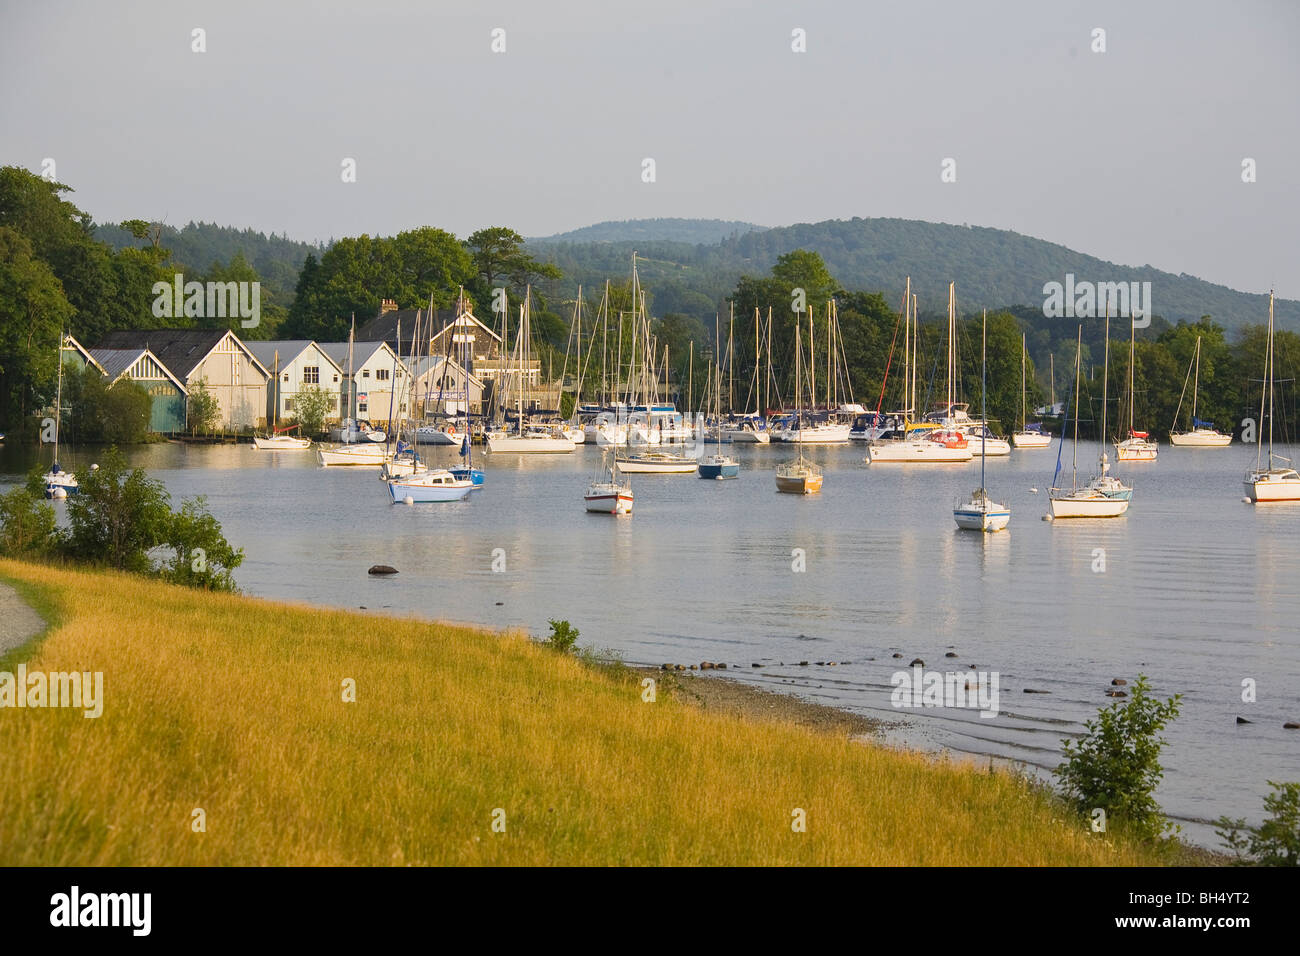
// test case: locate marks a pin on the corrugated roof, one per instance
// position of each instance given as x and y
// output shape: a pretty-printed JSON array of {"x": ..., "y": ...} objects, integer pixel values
[
  {"x": 361, "y": 353},
  {"x": 289, "y": 350},
  {"x": 117, "y": 362},
  {"x": 181, "y": 350}
]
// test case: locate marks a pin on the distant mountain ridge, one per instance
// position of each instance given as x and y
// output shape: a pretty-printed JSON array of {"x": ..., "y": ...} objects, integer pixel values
[
  {"x": 992, "y": 268},
  {"x": 707, "y": 231}
]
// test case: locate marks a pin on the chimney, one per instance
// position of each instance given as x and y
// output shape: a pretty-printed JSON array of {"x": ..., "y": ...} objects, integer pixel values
[{"x": 388, "y": 305}]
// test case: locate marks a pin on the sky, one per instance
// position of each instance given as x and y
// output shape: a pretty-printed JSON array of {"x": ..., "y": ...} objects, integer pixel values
[{"x": 1133, "y": 154}]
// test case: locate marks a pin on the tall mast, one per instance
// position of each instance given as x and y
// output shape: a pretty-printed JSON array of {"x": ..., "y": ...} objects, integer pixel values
[
  {"x": 1051, "y": 364},
  {"x": 1132, "y": 345},
  {"x": 907, "y": 350},
  {"x": 767, "y": 384},
  {"x": 1105, "y": 384},
  {"x": 1196, "y": 382},
  {"x": 1270, "y": 379},
  {"x": 577, "y": 395},
  {"x": 916, "y": 337},
  {"x": 1024, "y": 401},
  {"x": 731, "y": 364},
  {"x": 58, "y": 396},
  {"x": 1078, "y": 373},
  {"x": 984, "y": 378},
  {"x": 952, "y": 327}
]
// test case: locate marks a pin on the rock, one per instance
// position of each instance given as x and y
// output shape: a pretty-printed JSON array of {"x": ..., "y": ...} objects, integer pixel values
[
  {"x": 1243, "y": 720},
  {"x": 803, "y": 663},
  {"x": 755, "y": 665},
  {"x": 898, "y": 655},
  {"x": 692, "y": 667},
  {"x": 500, "y": 603},
  {"x": 667, "y": 667},
  {"x": 1291, "y": 725},
  {"x": 917, "y": 662},
  {"x": 680, "y": 667},
  {"x": 362, "y": 606},
  {"x": 722, "y": 667},
  {"x": 1116, "y": 693},
  {"x": 820, "y": 663},
  {"x": 830, "y": 663},
  {"x": 381, "y": 569},
  {"x": 706, "y": 665},
  {"x": 1030, "y": 690},
  {"x": 951, "y": 654},
  {"x": 1119, "y": 682},
  {"x": 972, "y": 667}
]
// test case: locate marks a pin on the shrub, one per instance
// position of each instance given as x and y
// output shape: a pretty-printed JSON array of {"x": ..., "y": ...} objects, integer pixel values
[
  {"x": 26, "y": 523},
  {"x": 202, "y": 410},
  {"x": 311, "y": 406},
  {"x": 117, "y": 516},
  {"x": 1116, "y": 766},
  {"x": 563, "y": 636},
  {"x": 201, "y": 556},
  {"x": 1276, "y": 842}
]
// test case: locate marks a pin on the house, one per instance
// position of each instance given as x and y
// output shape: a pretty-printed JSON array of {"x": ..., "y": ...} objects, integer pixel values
[
  {"x": 443, "y": 387},
  {"x": 454, "y": 332},
  {"x": 141, "y": 366},
  {"x": 302, "y": 364},
  {"x": 214, "y": 357},
  {"x": 74, "y": 353},
  {"x": 380, "y": 381}
]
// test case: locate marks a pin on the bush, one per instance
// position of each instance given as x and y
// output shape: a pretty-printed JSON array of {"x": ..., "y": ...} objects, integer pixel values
[
  {"x": 100, "y": 412},
  {"x": 117, "y": 516},
  {"x": 1116, "y": 766},
  {"x": 26, "y": 523},
  {"x": 310, "y": 408},
  {"x": 563, "y": 636},
  {"x": 1276, "y": 842},
  {"x": 203, "y": 411},
  {"x": 202, "y": 558}
]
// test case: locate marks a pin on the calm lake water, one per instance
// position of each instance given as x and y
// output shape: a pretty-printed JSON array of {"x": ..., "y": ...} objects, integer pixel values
[{"x": 1199, "y": 590}]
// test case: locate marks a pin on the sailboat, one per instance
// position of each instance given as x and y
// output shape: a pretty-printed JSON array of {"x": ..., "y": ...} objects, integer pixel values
[
  {"x": 277, "y": 441},
  {"x": 532, "y": 438},
  {"x": 608, "y": 495},
  {"x": 922, "y": 441},
  {"x": 980, "y": 512},
  {"x": 798, "y": 477},
  {"x": 1104, "y": 496},
  {"x": 354, "y": 451},
  {"x": 1138, "y": 446},
  {"x": 718, "y": 466},
  {"x": 1202, "y": 434},
  {"x": 1271, "y": 483},
  {"x": 1031, "y": 434},
  {"x": 59, "y": 483}
]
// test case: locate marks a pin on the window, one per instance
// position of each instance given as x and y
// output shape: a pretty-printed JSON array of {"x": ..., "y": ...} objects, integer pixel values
[
  {"x": 363, "y": 408},
  {"x": 336, "y": 379},
  {"x": 286, "y": 376},
  {"x": 334, "y": 401},
  {"x": 311, "y": 374},
  {"x": 403, "y": 406},
  {"x": 288, "y": 404},
  {"x": 365, "y": 373},
  {"x": 381, "y": 374}
]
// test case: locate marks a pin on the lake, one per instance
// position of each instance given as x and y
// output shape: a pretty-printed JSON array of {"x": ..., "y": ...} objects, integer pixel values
[{"x": 1192, "y": 587}]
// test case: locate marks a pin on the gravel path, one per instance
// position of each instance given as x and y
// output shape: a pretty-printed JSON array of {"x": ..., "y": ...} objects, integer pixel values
[{"x": 18, "y": 622}]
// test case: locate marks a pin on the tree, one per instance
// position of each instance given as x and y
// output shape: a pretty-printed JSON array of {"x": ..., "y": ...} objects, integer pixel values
[
  {"x": 203, "y": 409},
  {"x": 117, "y": 516},
  {"x": 1115, "y": 766},
  {"x": 27, "y": 523},
  {"x": 1276, "y": 842},
  {"x": 201, "y": 556},
  {"x": 311, "y": 406},
  {"x": 33, "y": 310},
  {"x": 499, "y": 257}
]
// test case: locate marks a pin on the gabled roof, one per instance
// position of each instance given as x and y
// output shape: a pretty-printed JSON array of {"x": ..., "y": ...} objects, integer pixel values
[
  {"x": 422, "y": 366},
  {"x": 119, "y": 362},
  {"x": 289, "y": 349},
  {"x": 361, "y": 353},
  {"x": 70, "y": 344},
  {"x": 466, "y": 318},
  {"x": 181, "y": 350}
]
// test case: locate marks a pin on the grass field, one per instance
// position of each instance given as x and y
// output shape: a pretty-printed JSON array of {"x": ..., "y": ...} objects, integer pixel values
[{"x": 234, "y": 705}]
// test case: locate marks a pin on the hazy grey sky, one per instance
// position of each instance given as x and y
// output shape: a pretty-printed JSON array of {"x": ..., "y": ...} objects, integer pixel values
[{"x": 1132, "y": 155}]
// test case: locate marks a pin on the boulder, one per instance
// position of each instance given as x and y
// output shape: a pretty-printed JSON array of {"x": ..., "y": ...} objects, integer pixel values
[{"x": 381, "y": 569}]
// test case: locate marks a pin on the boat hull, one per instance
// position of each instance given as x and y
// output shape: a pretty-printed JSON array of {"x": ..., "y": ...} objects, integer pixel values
[
  {"x": 369, "y": 455},
  {"x": 1263, "y": 489},
  {"x": 650, "y": 466},
  {"x": 817, "y": 435},
  {"x": 421, "y": 492},
  {"x": 1031, "y": 440},
  {"x": 609, "y": 503},
  {"x": 979, "y": 520},
  {"x": 915, "y": 451},
  {"x": 545, "y": 445},
  {"x": 281, "y": 444},
  {"x": 713, "y": 469},
  {"x": 806, "y": 485},
  {"x": 1136, "y": 450},
  {"x": 990, "y": 447},
  {"x": 1201, "y": 438},
  {"x": 738, "y": 435},
  {"x": 1099, "y": 506}
]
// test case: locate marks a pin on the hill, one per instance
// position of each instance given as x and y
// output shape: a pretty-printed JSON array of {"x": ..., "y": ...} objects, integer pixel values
[
  {"x": 708, "y": 231},
  {"x": 993, "y": 268}
]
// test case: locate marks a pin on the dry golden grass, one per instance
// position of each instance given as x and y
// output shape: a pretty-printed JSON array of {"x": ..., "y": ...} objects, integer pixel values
[{"x": 234, "y": 705}]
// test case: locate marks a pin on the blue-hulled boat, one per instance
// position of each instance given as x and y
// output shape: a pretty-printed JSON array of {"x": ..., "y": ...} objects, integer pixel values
[{"x": 719, "y": 466}]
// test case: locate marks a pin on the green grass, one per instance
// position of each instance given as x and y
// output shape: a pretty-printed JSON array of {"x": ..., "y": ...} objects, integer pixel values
[{"x": 233, "y": 704}]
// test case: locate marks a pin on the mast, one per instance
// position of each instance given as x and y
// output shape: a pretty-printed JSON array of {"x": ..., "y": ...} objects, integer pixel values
[
  {"x": 731, "y": 364},
  {"x": 1105, "y": 385},
  {"x": 984, "y": 404},
  {"x": 767, "y": 384},
  {"x": 916, "y": 337},
  {"x": 1132, "y": 344},
  {"x": 1270, "y": 379},
  {"x": 275, "y": 414},
  {"x": 1078, "y": 373},
  {"x": 352, "y": 385},
  {"x": 952, "y": 328},
  {"x": 1196, "y": 382},
  {"x": 907, "y": 353},
  {"x": 798, "y": 394},
  {"x": 577, "y": 395},
  {"x": 58, "y": 397},
  {"x": 1051, "y": 364}
]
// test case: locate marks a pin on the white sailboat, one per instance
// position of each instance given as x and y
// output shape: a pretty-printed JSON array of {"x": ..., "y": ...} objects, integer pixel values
[
  {"x": 360, "y": 447},
  {"x": 276, "y": 441},
  {"x": 608, "y": 495},
  {"x": 980, "y": 512},
  {"x": 1202, "y": 434},
  {"x": 1031, "y": 435},
  {"x": 1104, "y": 495},
  {"x": 1138, "y": 446},
  {"x": 528, "y": 439},
  {"x": 436, "y": 484},
  {"x": 1273, "y": 483},
  {"x": 59, "y": 483},
  {"x": 926, "y": 442},
  {"x": 798, "y": 477}
]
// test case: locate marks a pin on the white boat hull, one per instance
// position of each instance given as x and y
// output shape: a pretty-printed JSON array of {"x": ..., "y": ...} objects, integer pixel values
[
  {"x": 609, "y": 500},
  {"x": 1031, "y": 440},
  {"x": 1136, "y": 449},
  {"x": 428, "y": 435},
  {"x": 971, "y": 518},
  {"x": 281, "y": 443},
  {"x": 657, "y": 465},
  {"x": 817, "y": 435},
  {"x": 1263, "y": 486},
  {"x": 427, "y": 487},
  {"x": 989, "y": 447},
  {"x": 368, "y": 454},
  {"x": 530, "y": 445},
  {"x": 1201, "y": 438},
  {"x": 738, "y": 435},
  {"x": 910, "y": 450},
  {"x": 1090, "y": 506}
]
